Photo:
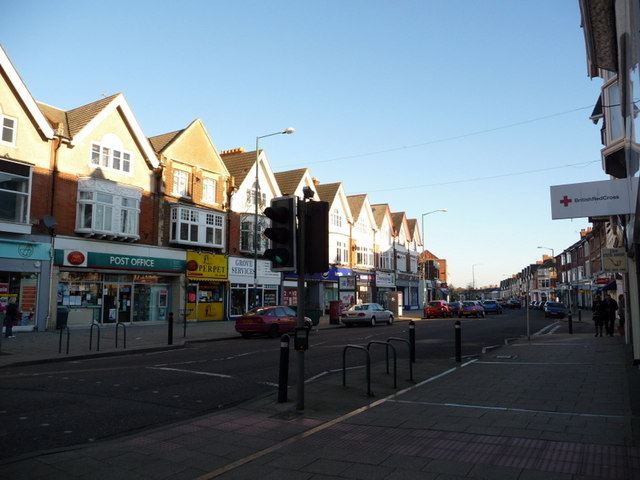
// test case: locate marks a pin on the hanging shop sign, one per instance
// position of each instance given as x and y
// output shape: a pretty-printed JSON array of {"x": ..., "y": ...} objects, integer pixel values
[
  {"x": 614, "y": 260},
  {"x": 593, "y": 199}
]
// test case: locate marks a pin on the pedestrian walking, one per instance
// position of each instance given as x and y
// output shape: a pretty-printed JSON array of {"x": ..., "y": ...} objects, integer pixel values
[
  {"x": 599, "y": 314},
  {"x": 10, "y": 316},
  {"x": 621, "y": 317},
  {"x": 610, "y": 314}
]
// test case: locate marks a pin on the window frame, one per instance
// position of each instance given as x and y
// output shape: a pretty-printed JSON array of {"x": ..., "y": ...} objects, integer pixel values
[
  {"x": 178, "y": 183},
  {"x": 115, "y": 207},
  {"x": 104, "y": 155},
  {"x": 194, "y": 226},
  {"x": 20, "y": 223},
  {"x": 13, "y": 129},
  {"x": 209, "y": 194}
]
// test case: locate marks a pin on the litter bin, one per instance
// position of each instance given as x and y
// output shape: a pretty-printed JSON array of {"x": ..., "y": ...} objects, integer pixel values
[
  {"x": 334, "y": 312},
  {"x": 314, "y": 315},
  {"x": 62, "y": 316}
]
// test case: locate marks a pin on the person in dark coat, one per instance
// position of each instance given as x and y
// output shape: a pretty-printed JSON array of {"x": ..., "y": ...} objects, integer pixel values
[
  {"x": 610, "y": 314},
  {"x": 599, "y": 314},
  {"x": 10, "y": 316}
]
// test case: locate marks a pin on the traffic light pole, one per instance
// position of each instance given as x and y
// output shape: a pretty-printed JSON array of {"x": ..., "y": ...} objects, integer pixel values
[{"x": 302, "y": 208}]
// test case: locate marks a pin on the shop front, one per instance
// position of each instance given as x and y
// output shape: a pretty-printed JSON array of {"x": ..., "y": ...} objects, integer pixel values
[
  {"x": 322, "y": 288},
  {"x": 100, "y": 282},
  {"x": 207, "y": 285},
  {"x": 409, "y": 285},
  {"x": 385, "y": 283},
  {"x": 365, "y": 282},
  {"x": 249, "y": 289},
  {"x": 24, "y": 279}
]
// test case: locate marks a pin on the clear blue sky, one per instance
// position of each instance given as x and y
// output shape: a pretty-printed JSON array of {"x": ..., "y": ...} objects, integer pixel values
[{"x": 473, "y": 106}]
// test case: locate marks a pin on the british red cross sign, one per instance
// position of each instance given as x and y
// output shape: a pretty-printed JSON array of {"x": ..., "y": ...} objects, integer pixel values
[{"x": 592, "y": 199}]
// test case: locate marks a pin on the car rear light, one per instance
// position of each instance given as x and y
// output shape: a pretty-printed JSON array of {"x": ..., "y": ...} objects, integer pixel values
[{"x": 361, "y": 314}]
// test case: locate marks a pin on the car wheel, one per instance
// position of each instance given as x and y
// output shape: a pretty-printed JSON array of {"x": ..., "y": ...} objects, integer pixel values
[
  {"x": 390, "y": 321},
  {"x": 348, "y": 325},
  {"x": 372, "y": 322},
  {"x": 273, "y": 331},
  {"x": 246, "y": 334},
  {"x": 483, "y": 315}
]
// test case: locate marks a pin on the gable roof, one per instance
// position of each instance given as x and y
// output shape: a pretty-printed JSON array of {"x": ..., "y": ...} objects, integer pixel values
[
  {"x": 24, "y": 95},
  {"x": 239, "y": 163},
  {"x": 161, "y": 142},
  {"x": 380, "y": 211},
  {"x": 412, "y": 223},
  {"x": 290, "y": 181},
  {"x": 328, "y": 192},
  {"x": 398, "y": 220},
  {"x": 79, "y": 122},
  {"x": 356, "y": 202}
]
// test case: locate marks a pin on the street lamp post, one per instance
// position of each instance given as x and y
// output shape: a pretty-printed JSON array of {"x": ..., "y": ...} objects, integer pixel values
[
  {"x": 287, "y": 131},
  {"x": 424, "y": 264},
  {"x": 473, "y": 274}
]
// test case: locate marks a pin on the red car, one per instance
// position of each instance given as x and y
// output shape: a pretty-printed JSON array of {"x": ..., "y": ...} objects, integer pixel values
[
  {"x": 273, "y": 321},
  {"x": 437, "y": 308}
]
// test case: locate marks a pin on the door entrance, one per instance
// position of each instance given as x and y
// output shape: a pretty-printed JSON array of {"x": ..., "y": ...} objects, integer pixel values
[{"x": 116, "y": 303}]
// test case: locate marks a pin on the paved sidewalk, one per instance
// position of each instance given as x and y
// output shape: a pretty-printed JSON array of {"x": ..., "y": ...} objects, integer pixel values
[{"x": 555, "y": 407}]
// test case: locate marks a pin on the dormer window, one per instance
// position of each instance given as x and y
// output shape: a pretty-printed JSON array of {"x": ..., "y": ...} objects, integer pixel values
[{"x": 110, "y": 154}]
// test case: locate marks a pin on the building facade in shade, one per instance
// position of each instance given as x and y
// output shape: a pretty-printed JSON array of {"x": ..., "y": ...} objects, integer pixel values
[
  {"x": 25, "y": 212},
  {"x": 612, "y": 35},
  {"x": 406, "y": 261},
  {"x": 193, "y": 216}
]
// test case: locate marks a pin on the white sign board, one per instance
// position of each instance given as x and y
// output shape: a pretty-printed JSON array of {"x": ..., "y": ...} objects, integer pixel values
[
  {"x": 614, "y": 260},
  {"x": 593, "y": 199}
]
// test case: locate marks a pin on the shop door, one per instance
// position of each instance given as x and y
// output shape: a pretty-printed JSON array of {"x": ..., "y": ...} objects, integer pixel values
[{"x": 116, "y": 303}]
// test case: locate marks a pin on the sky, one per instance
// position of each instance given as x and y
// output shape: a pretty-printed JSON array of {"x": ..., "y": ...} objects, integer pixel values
[{"x": 473, "y": 107}]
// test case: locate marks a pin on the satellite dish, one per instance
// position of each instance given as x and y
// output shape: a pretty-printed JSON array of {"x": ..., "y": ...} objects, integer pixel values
[{"x": 49, "y": 221}]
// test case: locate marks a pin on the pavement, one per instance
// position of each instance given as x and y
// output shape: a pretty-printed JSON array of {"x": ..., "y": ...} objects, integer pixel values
[{"x": 556, "y": 405}]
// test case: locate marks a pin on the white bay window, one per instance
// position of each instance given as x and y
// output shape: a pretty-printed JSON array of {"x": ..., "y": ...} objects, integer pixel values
[
  {"x": 106, "y": 209},
  {"x": 192, "y": 226}
]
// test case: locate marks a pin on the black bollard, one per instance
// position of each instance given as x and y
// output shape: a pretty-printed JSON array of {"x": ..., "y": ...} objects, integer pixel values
[
  {"x": 283, "y": 376},
  {"x": 579, "y": 315},
  {"x": 570, "y": 318},
  {"x": 170, "y": 330},
  {"x": 458, "y": 341},
  {"x": 412, "y": 341}
]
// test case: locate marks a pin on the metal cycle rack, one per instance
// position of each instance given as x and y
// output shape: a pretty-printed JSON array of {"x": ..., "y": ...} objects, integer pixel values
[
  {"x": 94, "y": 324},
  {"x": 185, "y": 312},
  {"x": 60, "y": 341},
  {"x": 398, "y": 339},
  {"x": 395, "y": 358},
  {"x": 344, "y": 369},
  {"x": 124, "y": 334}
]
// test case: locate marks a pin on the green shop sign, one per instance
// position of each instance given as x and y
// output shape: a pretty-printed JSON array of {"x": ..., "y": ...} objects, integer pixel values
[{"x": 123, "y": 262}]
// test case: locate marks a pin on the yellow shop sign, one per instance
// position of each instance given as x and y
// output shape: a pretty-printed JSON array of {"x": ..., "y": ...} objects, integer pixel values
[{"x": 206, "y": 266}]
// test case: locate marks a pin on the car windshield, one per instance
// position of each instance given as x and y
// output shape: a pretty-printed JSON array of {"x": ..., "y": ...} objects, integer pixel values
[
  {"x": 434, "y": 304},
  {"x": 468, "y": 304},
  {"x": 555, "y": 304},
  {"x": 258, "y": 311},
  {"x": 490, "y": 302}
]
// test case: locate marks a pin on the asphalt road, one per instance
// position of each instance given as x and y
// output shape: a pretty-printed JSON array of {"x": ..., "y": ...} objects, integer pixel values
[{"x": 53, "y": 405}]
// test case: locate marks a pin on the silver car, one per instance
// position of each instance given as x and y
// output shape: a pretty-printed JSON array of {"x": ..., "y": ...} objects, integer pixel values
[{"x": 366, "y": 313}]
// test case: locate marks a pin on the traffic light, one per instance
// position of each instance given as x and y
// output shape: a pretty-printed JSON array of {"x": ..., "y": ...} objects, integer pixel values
[
  {"x": 282, "y": 233},
  {"x": 316, "y": 258}
]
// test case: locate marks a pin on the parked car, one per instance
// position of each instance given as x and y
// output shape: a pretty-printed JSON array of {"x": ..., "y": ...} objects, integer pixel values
[
  {"x": 555, "y": 309},
  {"x": 471, "y": 308},
  {"x": 272, "y": 321},
  {"x": 533, "y": 304},
  {"x": 454, "y": 307},
  {"x": 513, "y": 303},
  {"x": 491, "y": 306},
  {"x": 367, "y": 313},
  {"x": 437, "y": 308}
]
